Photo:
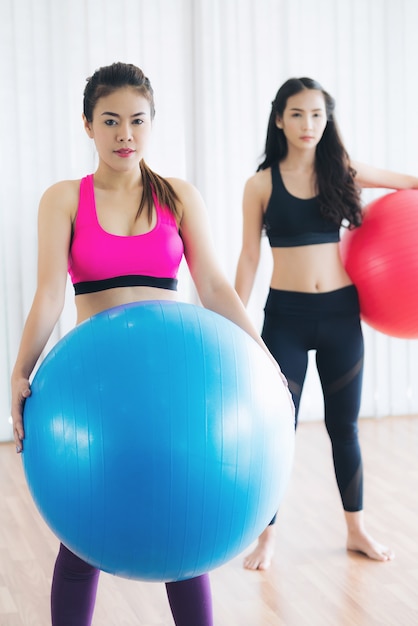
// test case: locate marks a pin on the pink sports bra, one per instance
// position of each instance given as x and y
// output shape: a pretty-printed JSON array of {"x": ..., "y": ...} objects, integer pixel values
[{"x": 99, "y": 260}]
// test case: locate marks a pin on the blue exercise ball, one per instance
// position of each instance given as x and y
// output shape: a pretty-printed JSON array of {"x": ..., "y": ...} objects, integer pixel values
[{"x": 159, "y": 440}]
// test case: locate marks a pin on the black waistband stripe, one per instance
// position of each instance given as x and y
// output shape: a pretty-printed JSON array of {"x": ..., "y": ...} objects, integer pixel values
[{"x": 92, "y": 286}]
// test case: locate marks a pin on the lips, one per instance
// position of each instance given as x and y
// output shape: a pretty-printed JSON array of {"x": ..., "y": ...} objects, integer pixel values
[{"x": 124, "y": 152}]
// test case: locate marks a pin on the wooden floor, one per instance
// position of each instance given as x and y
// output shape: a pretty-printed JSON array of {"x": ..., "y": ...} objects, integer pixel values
[{"x": 313, "y": 581}]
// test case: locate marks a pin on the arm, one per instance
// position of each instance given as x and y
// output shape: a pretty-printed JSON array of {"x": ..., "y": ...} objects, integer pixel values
[
  {"x": 54, "y": 233},
  {"x": 251, "y": 235},
  {"x": 373, "y": 177},
  {"x": 214, "y": 290}
]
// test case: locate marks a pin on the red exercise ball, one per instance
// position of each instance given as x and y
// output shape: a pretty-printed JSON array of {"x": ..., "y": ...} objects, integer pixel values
[{"x": 381, "y": 258}]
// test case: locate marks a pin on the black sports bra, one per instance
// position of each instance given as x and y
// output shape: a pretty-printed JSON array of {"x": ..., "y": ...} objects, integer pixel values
[{"x": 291, "y": 221}]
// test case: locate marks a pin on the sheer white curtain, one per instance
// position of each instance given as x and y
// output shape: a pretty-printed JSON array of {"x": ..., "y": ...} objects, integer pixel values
[{"x": 215, "y": 66}]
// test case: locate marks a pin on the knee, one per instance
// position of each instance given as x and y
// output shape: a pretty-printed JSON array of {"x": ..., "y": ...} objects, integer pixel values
[{"x": 342, "y": 430}]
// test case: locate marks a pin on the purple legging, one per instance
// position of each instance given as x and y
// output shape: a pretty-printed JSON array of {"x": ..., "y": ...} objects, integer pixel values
[{"x": 74, "y": 588}]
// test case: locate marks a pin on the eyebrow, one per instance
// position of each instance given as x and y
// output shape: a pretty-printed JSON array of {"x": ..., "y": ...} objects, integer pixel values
[
  {"x": 297, "y": 109},
  {"x": 117, "y": 114}
]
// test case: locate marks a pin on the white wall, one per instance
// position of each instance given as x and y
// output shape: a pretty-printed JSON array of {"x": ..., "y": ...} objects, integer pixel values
[{"x": 215, "y": 66}]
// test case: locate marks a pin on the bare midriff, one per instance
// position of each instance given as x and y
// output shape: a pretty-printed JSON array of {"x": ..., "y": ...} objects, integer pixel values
[
  {"x": 89, "y": 304},
  {"x": 309, "y": 269}
]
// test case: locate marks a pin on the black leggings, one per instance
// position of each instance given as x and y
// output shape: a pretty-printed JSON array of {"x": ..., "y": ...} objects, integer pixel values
[{"x": 328, "y": 323}]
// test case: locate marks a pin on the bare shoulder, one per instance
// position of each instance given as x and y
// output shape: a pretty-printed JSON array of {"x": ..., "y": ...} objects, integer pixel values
[
  {"x": 183, "y": 188},
  {"x": 190, "y": 199},
  {"x": 260, "y": 179},
  {"x": 62, "y": 196},
  {"x": 258, "y": 188},
  {"x": 65, "y": 189}
]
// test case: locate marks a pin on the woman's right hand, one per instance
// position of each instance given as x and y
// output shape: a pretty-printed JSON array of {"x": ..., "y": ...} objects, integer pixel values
[{"x": 20, "y": 391}]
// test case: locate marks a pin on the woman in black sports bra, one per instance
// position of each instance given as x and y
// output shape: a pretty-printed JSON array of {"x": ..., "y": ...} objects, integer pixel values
[{"x": 303, "y": 192}]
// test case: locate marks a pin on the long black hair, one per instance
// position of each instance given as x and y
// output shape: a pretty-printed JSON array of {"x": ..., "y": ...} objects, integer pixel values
[
  {"x": 338, "y": 194},
  {"x": 105, "y": 81}
]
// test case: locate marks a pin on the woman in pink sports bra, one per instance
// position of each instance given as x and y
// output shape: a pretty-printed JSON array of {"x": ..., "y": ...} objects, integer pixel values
[{"x": 121, "y": 234}]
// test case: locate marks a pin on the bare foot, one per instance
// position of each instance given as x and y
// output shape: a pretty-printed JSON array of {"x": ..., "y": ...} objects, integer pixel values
[
  {"x": 358, "y": 540},
  {"x": 260, "y": 557},
  {"x": 362, "y": 542}
]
